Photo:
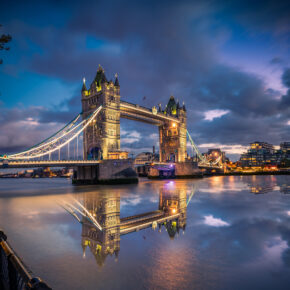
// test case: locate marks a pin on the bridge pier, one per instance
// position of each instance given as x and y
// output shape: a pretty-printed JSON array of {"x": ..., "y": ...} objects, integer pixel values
[
  {"x": 176, "y": 170},
  {"x": 118, "y": 171}
]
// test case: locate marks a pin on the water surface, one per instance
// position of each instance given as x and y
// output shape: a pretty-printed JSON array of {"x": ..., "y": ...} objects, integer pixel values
[{"x": 232, "y": 233}]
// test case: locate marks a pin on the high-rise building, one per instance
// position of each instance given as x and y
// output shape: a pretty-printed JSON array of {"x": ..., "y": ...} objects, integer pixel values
[
  {"x": 284, "y": 154},
  {"x": 264, "y": 154},
  {"x": 259, "y": 154}
]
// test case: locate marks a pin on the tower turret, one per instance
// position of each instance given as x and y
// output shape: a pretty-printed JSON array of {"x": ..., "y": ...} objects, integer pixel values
[
  {"x": 171, "y": 106},
  {"x": 100, "y": 78}
]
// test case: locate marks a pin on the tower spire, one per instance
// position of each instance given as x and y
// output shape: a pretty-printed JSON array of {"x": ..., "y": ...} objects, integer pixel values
[
  {"x": 84, "y": 88},
  {"x": 116, "y": 80},
  {"x": 183, "y": 107}
]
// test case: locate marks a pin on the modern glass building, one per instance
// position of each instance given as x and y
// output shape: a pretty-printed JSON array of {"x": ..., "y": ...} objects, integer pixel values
[{"x": 263, "y": 154}]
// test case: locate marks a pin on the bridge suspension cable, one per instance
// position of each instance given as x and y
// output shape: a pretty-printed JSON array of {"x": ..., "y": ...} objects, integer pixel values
[
  {"x": 60, "y": 133},
  {"x": 50, "y": 141},
  {"x": 195, "y": 147},
  {"x": 191, "y": 194},
  {"x": 75, "y": 207},
  {"x": 58, "y": 140}
]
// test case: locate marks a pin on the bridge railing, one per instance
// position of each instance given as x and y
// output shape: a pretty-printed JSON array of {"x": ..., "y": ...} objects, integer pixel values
[{"x": 14, "y": 275}]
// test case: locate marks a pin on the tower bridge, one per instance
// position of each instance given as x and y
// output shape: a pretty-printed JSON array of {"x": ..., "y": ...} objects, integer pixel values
[
  {"x": 102, "y": 224},
  {"x": 96, "y": 133},
  {"x": 102, "y": 138}
]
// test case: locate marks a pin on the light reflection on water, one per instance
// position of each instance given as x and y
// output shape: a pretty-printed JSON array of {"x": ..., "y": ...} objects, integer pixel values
[{"x": 218, "y": 233}]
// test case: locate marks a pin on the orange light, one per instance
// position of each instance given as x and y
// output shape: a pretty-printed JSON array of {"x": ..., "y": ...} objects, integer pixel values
[
  {"x": 174, "y": 210},
  {"x": 173, "y": 125}
]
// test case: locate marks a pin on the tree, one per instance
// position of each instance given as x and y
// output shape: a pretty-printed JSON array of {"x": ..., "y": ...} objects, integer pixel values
[{"x": 4, "y": 39}]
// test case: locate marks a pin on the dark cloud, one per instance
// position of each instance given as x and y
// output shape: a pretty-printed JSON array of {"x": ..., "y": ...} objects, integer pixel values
[
  {"x": 242, "y": 93},
  {"x": 268, "y": 16},
  {"x": 276, "y": 61},
  {"x": 285, "y": 100},
  {"x": 286, "y": 78},
  {"x": 286, "y": 257},
  {"x": 159, "y": 48},
  {"x": 23, "y": 127}
]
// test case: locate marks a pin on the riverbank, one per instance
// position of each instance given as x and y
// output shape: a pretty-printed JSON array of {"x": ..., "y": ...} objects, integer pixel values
[{"x": 255, "y": 173}]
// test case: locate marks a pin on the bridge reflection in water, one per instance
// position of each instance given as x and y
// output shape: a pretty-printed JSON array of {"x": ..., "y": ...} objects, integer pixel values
[{"x": 102, "y": 226}]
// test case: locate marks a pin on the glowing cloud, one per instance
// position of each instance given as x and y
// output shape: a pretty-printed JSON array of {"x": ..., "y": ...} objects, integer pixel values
[
  {"x": 212, "y": 114},
  {"x": 215, "y": 222},
  {"x": 129, "y": 137},
  {"x": 229, "y": 149}
]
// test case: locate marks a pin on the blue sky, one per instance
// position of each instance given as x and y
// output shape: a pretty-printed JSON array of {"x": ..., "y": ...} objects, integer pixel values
[{"x": 217, "y": 56}]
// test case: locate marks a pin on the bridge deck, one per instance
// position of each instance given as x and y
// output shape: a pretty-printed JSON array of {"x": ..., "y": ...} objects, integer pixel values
[
  {"x": 142, "y": 224},
  {"x": 141, "y": 217},
  {"x": 47, "y": 163}
]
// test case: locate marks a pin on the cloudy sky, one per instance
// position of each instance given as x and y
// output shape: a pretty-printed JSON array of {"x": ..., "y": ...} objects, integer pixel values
[{"x": 227, "y": 60}]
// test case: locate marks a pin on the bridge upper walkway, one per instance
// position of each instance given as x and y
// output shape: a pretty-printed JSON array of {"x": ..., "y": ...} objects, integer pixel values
[
  {"x": 143, "y": 114},
  {"x": 146, "y": 222}
]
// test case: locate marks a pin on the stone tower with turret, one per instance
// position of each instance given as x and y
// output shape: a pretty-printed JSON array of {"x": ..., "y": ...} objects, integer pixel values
[
  {"x": 105, "y": 208},
  {"x": 172, "y": 135},
  {"x": 103, "y": 134}
]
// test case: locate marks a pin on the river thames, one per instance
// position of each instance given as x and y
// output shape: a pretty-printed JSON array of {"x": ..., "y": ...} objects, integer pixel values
[{"x": 232, "y": 233}]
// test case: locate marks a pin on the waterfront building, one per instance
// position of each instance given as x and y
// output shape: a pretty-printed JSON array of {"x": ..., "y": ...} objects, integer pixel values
[
  {"x": 284, "y": 154},
  {"x": 259, "y": 155},
  {"x": 285, "y": 146},
  {"x": 262, "y": 154}
]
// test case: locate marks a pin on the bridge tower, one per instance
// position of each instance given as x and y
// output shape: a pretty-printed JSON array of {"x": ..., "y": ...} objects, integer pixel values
[
  {"x": 172, "y": 200},
  {"x": 172, "y": 136},
  {"x": 103, "y": 135},
  {"x": 106, "y": 209}
]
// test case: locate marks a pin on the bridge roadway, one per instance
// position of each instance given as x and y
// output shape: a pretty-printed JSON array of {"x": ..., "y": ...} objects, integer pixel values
[
  {"x": 74, "y": 163},
  {"x": 46, "y": 163},
  {"x": 142, "y": 221}
]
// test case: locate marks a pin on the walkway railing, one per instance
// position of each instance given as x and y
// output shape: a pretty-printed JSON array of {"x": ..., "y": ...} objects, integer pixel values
[{"x": 14, "y": 275}]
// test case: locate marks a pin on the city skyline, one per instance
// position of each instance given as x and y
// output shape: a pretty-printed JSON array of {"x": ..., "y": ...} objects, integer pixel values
[{"x": 228, "y": 62}]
